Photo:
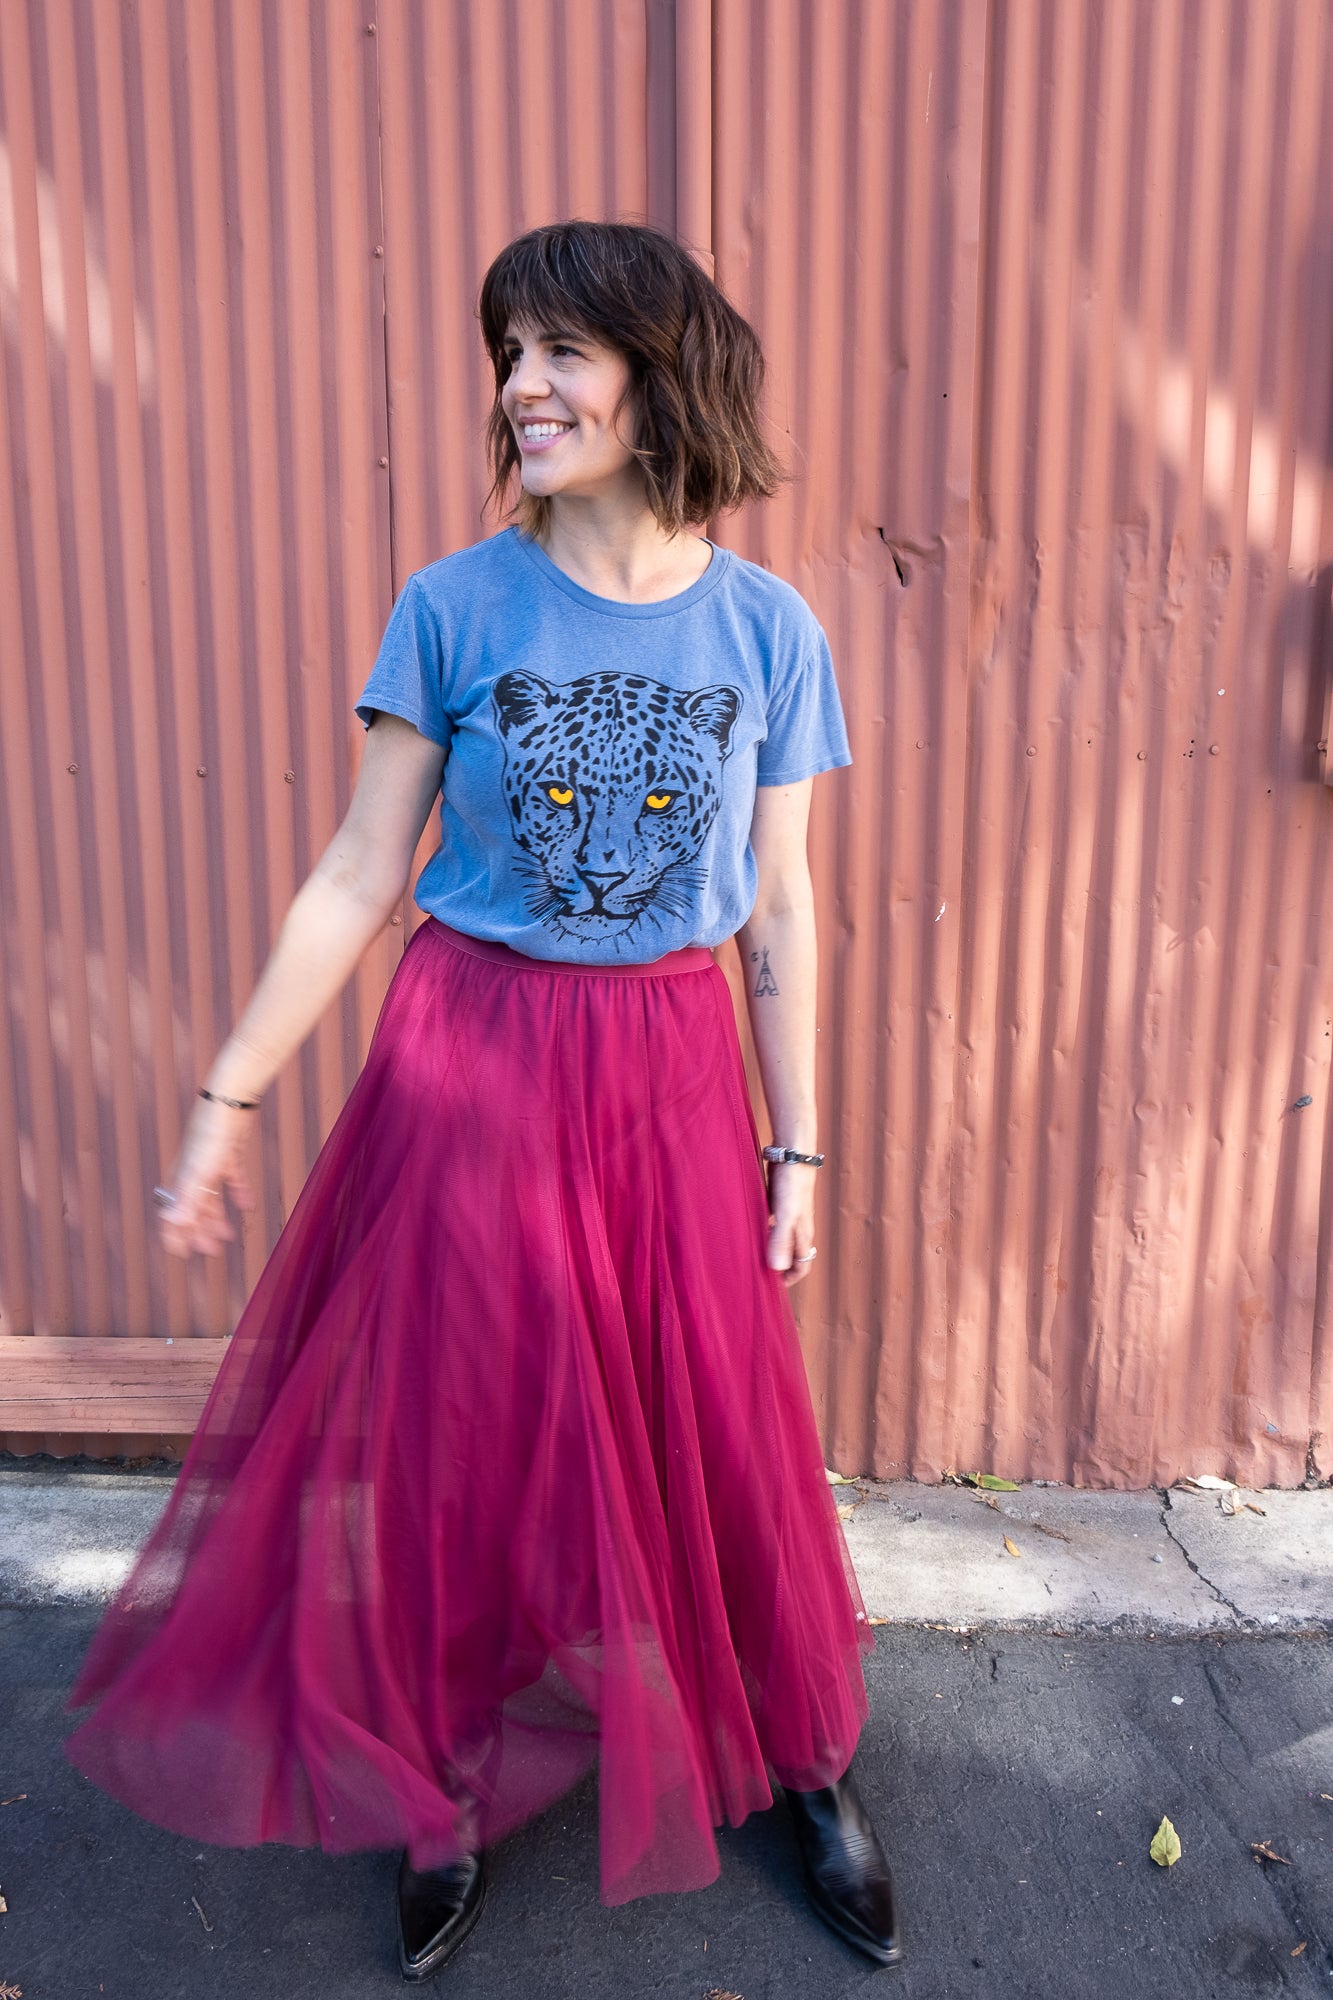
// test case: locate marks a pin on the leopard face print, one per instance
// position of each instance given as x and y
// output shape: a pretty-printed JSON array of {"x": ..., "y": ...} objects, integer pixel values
[{"x": 612, "y": 782}]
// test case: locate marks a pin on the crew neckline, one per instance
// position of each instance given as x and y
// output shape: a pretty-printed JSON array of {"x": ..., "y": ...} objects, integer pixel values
[{"x": 615, "y": 607}]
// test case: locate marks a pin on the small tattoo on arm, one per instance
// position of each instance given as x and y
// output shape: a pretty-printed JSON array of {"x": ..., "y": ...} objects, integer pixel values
[{"x": 765, "y": 985}]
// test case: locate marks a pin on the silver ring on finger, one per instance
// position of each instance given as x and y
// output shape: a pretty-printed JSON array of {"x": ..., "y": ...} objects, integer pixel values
[
  {"x": 164, "y": 1197},
  {"x": 808, "y": 1255}
]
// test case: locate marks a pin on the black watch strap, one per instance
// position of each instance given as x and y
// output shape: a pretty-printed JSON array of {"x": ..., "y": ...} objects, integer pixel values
[{"x": 782, "y": 1156}]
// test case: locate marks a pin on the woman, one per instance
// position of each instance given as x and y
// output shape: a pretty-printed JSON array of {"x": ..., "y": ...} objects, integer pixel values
[{"x": 511, "y": 1463}]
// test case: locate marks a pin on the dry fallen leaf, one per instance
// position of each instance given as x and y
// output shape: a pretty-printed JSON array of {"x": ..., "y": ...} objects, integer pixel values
[
  {"x": 1013, "y": 1550},
  {"x": 877, "y": 1621},
  {"x": 14, "y": 1801},
  {"x": 4, "y": 1907},
  {"x": 202, "y": 1918},
  {"x": 1296, "y": 1950},
  {"x": 845, "y": 1513},
  {"x": 716, "y": 1993},
  {"x": 1262, "y": 1851},
  {"x": 8, "y": 1992},
  {"x": 1264, "y": 1511},
  {"x": 1165, "y": 1849}
]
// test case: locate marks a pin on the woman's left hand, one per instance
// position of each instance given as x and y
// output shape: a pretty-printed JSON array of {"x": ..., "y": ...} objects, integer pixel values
[{"x": 791, "y": 1228}]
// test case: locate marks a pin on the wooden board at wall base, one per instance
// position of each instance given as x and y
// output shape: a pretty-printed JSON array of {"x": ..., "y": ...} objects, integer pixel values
[{"x": 100, "y": 1385}]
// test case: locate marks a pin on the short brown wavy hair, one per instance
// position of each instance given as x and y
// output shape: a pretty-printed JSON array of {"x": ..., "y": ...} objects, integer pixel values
[{"x": 696, "y": 367}]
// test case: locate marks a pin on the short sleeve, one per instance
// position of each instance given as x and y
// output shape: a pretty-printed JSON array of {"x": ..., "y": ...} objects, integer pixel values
[
  {"x": 407, "y": 678},
  {"x": 806, "y": 730}
]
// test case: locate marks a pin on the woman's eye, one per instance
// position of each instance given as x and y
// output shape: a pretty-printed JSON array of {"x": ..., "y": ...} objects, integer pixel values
[
  {"x": 560, "y": 795},
  {"x": 659, "y": 801}
]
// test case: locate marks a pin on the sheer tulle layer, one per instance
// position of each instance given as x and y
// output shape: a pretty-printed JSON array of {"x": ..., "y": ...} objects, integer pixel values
[{"x": 510, "y": 1464}]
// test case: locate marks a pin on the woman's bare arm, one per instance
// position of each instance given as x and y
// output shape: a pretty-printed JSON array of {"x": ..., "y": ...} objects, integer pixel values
[
  {"x": 778, "y": 955},
  {"x": 343, "y": 904}
]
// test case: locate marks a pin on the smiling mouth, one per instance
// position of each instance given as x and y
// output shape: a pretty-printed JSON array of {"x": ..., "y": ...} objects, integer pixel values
[{"x": 542, "y": 433}]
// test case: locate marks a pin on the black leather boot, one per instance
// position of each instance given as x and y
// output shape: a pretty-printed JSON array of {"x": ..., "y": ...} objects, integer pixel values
[
  {"x": 437, "y": 1907},
  {"x": 846, "y": 1875}
]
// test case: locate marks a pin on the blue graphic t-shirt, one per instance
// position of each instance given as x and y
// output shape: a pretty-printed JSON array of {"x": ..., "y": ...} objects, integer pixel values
[{"x": 602, "y": 757}]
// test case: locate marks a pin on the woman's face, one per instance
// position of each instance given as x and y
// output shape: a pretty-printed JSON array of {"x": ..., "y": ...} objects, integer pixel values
[{"x": 561, "y": 399}]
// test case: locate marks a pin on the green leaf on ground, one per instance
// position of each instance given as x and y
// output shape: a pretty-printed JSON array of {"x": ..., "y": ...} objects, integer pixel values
[{"x": 1165, "y": 1849}]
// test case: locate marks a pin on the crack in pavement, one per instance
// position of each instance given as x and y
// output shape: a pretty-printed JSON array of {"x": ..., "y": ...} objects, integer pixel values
[{"x": 1216, "y": 1589}]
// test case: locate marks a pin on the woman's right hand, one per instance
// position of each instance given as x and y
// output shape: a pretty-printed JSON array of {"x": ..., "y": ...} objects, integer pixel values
[
  {"x": 342, "y": 905},
  {"x": 211, "y": 1163}
]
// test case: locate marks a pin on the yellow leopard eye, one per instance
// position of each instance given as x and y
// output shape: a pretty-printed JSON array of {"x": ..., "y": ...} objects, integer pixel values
[
  {"x": 659, "y": 801},
  {"x": 560, "y": 795}
]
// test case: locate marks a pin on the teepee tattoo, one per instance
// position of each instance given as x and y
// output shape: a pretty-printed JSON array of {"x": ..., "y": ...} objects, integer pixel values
[{"x": 765, "y": 986}]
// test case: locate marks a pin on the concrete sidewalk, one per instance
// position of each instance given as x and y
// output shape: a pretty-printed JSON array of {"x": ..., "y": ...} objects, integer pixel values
[{"x": 1045, "y": 1558}]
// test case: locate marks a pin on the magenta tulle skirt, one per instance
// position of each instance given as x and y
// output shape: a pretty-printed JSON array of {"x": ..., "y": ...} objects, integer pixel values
[{"x": 510, "y": 1466}]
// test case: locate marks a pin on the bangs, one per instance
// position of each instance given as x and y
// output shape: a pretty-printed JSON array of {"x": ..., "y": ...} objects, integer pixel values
[{"x": 546, "y": 281}]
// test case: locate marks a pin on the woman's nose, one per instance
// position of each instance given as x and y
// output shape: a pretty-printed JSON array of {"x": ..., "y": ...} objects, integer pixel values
[{"x": 527, "y": 379}]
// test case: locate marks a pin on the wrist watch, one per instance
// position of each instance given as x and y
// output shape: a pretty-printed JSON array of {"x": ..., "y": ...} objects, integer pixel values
[{"x": 782, "y": 1156}]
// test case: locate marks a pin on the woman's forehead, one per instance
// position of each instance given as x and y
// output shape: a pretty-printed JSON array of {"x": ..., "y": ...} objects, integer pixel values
[{"x": 526, "y": 330}]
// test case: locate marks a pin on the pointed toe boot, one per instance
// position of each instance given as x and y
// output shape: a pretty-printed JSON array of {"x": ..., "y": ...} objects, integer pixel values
[
  {"x": 847, "y": 1877},
  {"x": 437, "y": 1907}
]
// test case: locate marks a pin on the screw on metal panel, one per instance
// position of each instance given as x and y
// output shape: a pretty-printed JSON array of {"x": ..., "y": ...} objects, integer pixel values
[
  {"x": 379, "y": 249},
  {"x": 1143, "y": 756},
  {"x": 289, "y": 777},
  {"x": 1212, "y": 749},
  {"x": 1032, "y": 749},
  {"x": 384, "y": 461},
  {"x": 370, "y": 27},
  {"x": 395, "y": 920},
  {"x": 201, "y": 770},
  {"x": 73, "y": 770},
  {"x": 1321, "y": 746}
]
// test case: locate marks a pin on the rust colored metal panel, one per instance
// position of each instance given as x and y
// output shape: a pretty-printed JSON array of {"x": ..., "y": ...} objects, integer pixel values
[
  {"x": 193, "y": 578},
  {"x": 1068, "y": 525},
  {"x": 1144, "y": 983},
  {"x": 846, "y": 218}
]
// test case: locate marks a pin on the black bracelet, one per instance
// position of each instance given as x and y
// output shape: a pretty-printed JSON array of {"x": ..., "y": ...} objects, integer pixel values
[
  {"x": 782, "y": 1156},
  {"x": 234, "y": 1103}
]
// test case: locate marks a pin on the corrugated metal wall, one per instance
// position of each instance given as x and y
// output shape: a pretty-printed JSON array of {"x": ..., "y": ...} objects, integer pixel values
[
  {"x": 193, "y": 570},
  {"x": 1048, "y": 297},
  {"x": 1145, "y": 953}
]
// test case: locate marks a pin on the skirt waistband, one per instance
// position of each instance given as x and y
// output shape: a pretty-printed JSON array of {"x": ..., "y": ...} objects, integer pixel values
[{"x": 691, "y": 958}]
